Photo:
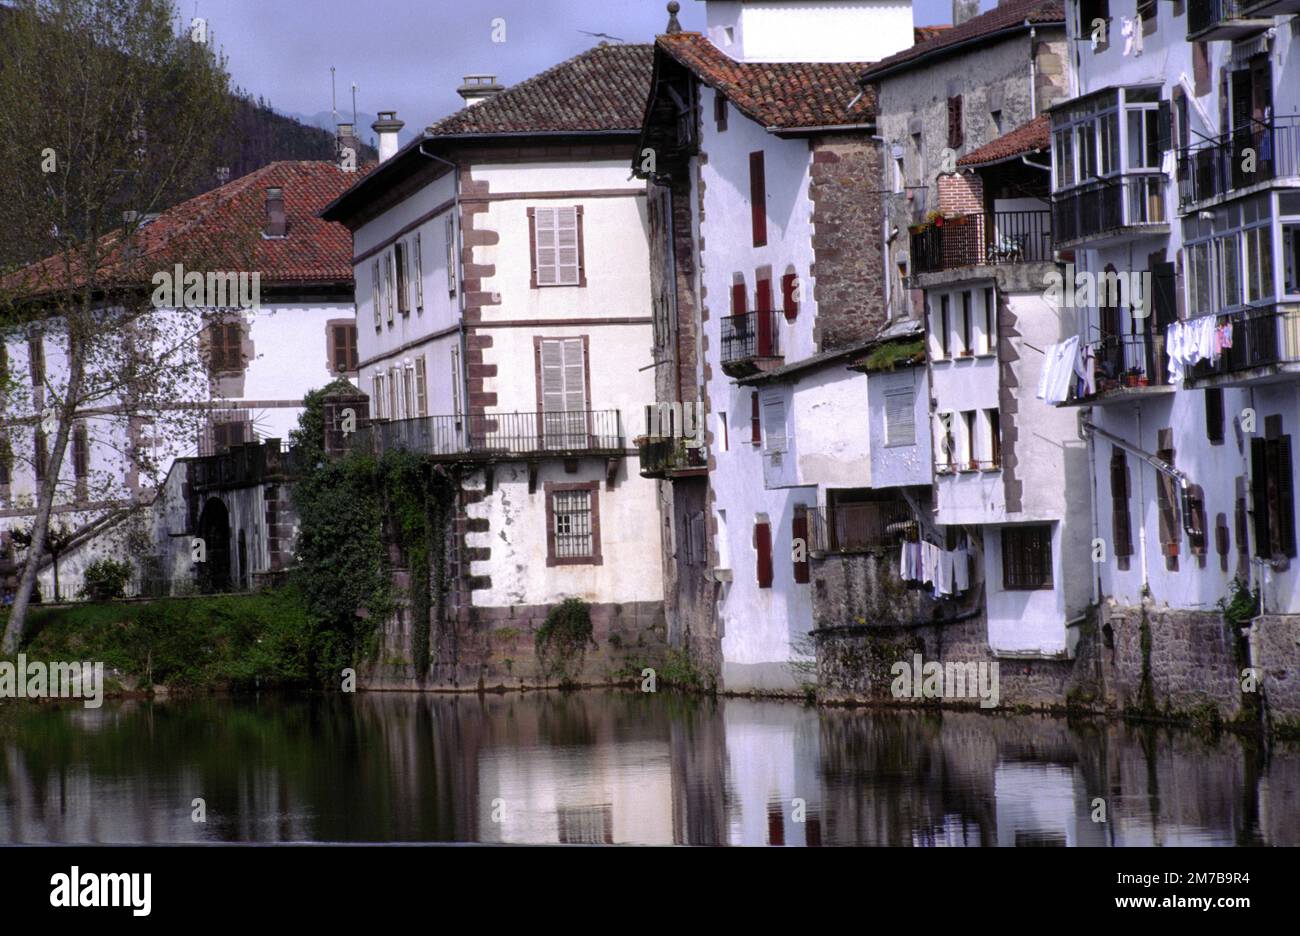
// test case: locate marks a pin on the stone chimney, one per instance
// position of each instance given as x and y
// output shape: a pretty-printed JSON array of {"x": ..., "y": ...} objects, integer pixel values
[
  {"x": 277, "y": 225},
  {"x": 478, "y": 88},
  {"x": 386, "y": 128},
  {"x": 962, "y": 10},
  {"x": 346, "y": 141}
]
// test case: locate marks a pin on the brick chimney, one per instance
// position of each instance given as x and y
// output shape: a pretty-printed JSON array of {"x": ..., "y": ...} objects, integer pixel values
[
  {"x": 277, "y": 225},
  {"x": 962, "y": 10},
  {"x": 386, "y": 128},
  {"x": 478, "y": 88}
]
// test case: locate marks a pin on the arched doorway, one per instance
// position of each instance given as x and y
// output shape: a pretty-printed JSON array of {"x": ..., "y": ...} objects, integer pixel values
[{"x": 214, "y": 528}]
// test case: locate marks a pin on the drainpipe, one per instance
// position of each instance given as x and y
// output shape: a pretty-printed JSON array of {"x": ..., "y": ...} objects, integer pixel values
[
  {"x": 1096, "y": 528},
  {"x": 460, "y": 284},
  {"x": 1033, "y": 73},
  {"x": 1159, "y": 464}
]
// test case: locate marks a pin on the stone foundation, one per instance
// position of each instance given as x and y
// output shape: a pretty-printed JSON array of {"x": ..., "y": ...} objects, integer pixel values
[{"x": 1275, "y": 650}]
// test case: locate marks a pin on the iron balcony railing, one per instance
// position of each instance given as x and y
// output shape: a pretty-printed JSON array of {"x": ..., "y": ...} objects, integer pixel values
[
  {"x": 1248, "y": 156},
  {"x": 1124, "y": 361},
  {"x": 844, "y": 528},
  {"x": 660, "y": 457},
  {"x": 982, "y": 238},
  {"x": 498, "y": 434},
  {"x": 1261, "y": 336},
  {"x": 1219, "y": 19},
  {"x": 1133, "y": 200},
  {"x": 244, "y": 465},
  {"x": 750, "y": 335}
]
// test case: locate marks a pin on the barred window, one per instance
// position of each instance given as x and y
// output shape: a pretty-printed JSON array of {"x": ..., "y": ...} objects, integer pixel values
[
  {"x": 1027, "y": 557},
  {"x": 572, "y": 513}
]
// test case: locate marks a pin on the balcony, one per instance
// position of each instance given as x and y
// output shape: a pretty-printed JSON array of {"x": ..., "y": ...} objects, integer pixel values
[
  {"x": 1123, "y": 365},
  {"x": 489, "y": 436},
  {"x": 1265, "y": 344},
  {"x": 1221, "y": 19},
  {"x": 669, "y": 458},
  {"x": 245, "y": 465},
  {"x": 859, "y": 527},
  {"x": 750, "y": 343},
  {"x": 982, "y": 238},
  {"x": 1214, "y": 168},
  {"x": 1110, "y": 209},
  {"x": 1271, "y": 7}
]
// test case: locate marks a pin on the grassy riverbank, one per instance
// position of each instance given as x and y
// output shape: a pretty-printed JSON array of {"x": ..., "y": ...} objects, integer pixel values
[{"x": 210, "y": 642}]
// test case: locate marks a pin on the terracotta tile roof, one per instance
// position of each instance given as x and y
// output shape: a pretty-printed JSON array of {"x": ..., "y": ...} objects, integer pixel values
[
  {"x": 1028, "y": 138},
  {"x": 224, "y": 227},
  {"x": 1009, "y": 16},
  {"x": 926, "y": 33},
  {"x": 785, "y": 95},
  {"x": 604, "y": 88}
]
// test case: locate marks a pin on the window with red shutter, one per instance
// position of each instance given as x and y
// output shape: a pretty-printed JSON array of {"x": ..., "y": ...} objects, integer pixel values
[
  {"x": 758, "y": 198},
  {"x": 789, "y": 305},
  {"x": 739, "y": 301},
  {"x": 799, "y": 545},
  {"x": 763, "y": 544},
  {"x": 755, "y": 420}
]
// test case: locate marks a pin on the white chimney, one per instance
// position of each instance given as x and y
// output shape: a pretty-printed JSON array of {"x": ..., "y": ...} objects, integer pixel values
[
  {"x": 478, "y": 88},
  {"x": 386, "y": 128},
  {"x": 807, "y": 30}
]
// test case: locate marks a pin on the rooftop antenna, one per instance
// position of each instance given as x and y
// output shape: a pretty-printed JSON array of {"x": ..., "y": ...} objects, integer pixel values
[
  {"x": 354, "y": 103},
  {"x": 334, "y": 98}
]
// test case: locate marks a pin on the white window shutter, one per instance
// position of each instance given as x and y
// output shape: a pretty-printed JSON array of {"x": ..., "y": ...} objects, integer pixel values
[
  {"x": 774, "y": 426},
  {"x": 451, "y": 255},
  {"x": 419, "y": 273},
  {"x": 374, "y": 288},
  {"x": 552, "y": 376},
  {"x": 575, "y": 383},
  {"x": 900, "y": 426},
  {"x": 390, "y": 285},
  {"x": 566, "y": 232},
  {"x": 544, "y": 219},
  {"x": 421, "y": 388}
]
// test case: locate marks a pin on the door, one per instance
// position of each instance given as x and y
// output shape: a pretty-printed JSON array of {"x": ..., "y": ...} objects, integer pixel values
[{"x": 564, "y": 393}]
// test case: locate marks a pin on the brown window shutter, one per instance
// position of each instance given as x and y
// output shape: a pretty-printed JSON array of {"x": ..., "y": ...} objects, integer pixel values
[
  {"x": 739, "y": 301},
  {"x": 764, "y": 297},
  {"x": 1259, "y": 497},
  {"x": 755, "y": 421},
  {"x": 758, "y": 198},
  {"x": 788, "y": 304},
  {"x": 763, "y": 543},
  {"x": 954, "y": 121},
  {"x": 799, "y": 533},
  {"x": 1285, "y": 497},
  {"x": 351, "y": 331}
]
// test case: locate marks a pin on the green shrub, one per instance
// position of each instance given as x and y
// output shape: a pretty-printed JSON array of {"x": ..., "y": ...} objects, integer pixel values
[
  {"x": 105, "y": 579},
  {"x": 561, "y": 642}
]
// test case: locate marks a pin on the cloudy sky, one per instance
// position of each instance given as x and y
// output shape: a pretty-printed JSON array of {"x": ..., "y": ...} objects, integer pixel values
[{"x": 410, "y": 55}]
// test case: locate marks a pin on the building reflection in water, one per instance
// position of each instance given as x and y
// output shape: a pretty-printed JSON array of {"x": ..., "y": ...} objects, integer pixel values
[{"x": 625, "y": 767}]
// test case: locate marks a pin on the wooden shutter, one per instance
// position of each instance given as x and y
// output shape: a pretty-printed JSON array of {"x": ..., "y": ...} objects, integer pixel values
[
  {"x": 401, "y": 261},
  {"x": 763, "y": 544},
  {"x": 455, "y": 381},
  {"x": 766, "y": 339},
  {"x": 563, "y": 375},
  {"x": 789, "y": 305},
  {"x": 798, "y": 533},
  {"x": 1259, "y": 497},
  {"x": 80, "y": 451},
  {"x": 1285, "y": 497},
  {"x": 758, "y": 198},
  {"x": 739, "y": 301},
  {"x": 567, "y": 253},
  {"x": 339, "y": 344},
  {"x": 1120, "y": 521},
  {"x": 421, "y": 388},
  {"x": 755, "y": 421},
  {"x": 419, "y": 273},
  {"x": 545, "y": 246},
  {"x": 374, "y": 288},
  {"x": 42, "y": 455},
  {"x": 387, "y": 286},
  {"x": 720, "y": 111}
]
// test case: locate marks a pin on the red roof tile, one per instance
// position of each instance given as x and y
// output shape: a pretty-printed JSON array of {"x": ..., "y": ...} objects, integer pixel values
[
  {"x": 784, "y": 95},
  {"x": 604, "y": 88},
  {"x": 1006, "y": 17},
  {"x": 1029, "y": 138},
  {"x": 224, "y": 227}
]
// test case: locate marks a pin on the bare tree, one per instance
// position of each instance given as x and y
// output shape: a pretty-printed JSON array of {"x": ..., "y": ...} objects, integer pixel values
[{"x": 110, "y": 110}]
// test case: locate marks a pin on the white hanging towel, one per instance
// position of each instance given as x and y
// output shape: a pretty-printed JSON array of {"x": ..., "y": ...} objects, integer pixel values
[{"x": 960, "y": 569}]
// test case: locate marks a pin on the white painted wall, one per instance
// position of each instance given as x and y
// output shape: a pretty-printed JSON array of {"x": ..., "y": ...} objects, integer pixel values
[
  {"x": 899, "y": 465},
  {"x": 810, "y": 30}
]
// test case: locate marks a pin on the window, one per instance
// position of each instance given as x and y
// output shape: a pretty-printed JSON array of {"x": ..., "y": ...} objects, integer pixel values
[
  {"x": 969, "y": 458},
  {"x": 450, "y": 233},
  {"x": 763, "y": 547},
  {"x": 1291, "y": 258},
  {"x": 386, "y": 284},
  {"x": 1027, "y": 557},
  {"x": 80, "y": 452},
  {"x": 562, "y": 381},
  {"x": 789, "y": 302},
  {"x": 774, "y": 426},
  {"x": 1214, "y": 415},
  {"x": 343, "y": 347},
  {"x": 720, "y": 111},
  {"x": 900, "y": 421},
  {"x": 1090, "y": 10},
  {"x": 967, "y": 346},
  {"x": 755, "y": 420},
  {"x": 1167, "y": 495},
  {"x": 1121, "y": 523},
  {"x": 229, "y": 431},
  {"x": 376, "y": 295},
  {"x": 995, "y": 118},
  {"x": 41, "y": 455},
  {"x": 1273, "y": 494},
  {"x": 1147, "y": 10},
  {"x": 408, "y": 387},
  {"x": 799, "y": 534},
  {"x": 401, "y": 262},
  {"x": 36, "y": 357},
  {"x": 758, "y": 199},
  {"x": 573, "y": 524},
  {"x": 225, "y": 351},
  {"x": 946, "y": 452},
  {"x": 954, "y": 122},
  {"x": 557, "y": 246},
  {"x": 377, "y": 395},
  {"x": 993, "y": 419},
  {"x": 990, "y": 321},
  {"x": 943, "y": 327},
  {"x": 421, "y": 388}
]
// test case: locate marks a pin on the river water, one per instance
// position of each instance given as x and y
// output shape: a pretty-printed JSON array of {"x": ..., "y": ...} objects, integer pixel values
[{"x": 624, "y": 767}]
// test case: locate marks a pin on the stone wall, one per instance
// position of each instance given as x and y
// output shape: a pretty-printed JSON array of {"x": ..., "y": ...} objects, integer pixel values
[{"x": 1275, "y": 649}]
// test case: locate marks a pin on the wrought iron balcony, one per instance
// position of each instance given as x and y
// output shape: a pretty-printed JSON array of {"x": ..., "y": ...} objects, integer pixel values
[
  {"x": 245, "y": 465},
  {"x": 982, "y": 238},
  {"x": 667, "y": 458},
  {"x": 1122, "y": 205},
  {"x": 1246, "y": 157},
  {"x": 499, "y": 435},
  {"x": 1262, "y": 337},
  {"x": 1221, "y": 19},
  {"x": 750, "y": 343},
  {"x": 858, "y": 527},
  {"x": 1123, "y": 363},
  {"x": 1270, "y": 7}
]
